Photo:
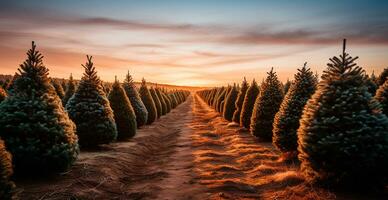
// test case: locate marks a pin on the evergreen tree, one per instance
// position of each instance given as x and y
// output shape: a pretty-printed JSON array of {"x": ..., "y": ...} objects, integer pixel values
[
  {"x": 266, "y": 106},
  {"x": 382, "y": 97},
  {"x": 343, "y": 135},
  {"x": 383, "y": 77},
  {"x": 33, "y": 123},
  {"x": 124, "y": 114},
  {"x": 158, "y": 105},
  {"x": 89, "y": 108},
  {"x": 148, "y": 102},
  {"x": 240, "y": 101},
  {"x": 3, "y": 94},
  {"x": 136, "y": 102},
  {"x": 167, "y": 100},
  {"x": 58, "y": 88},
  {"x": 162, "y": 101},
  {"x": 70, "y": 90},
  {"x": 249, "y": 102},
  {"x": 286, "y": 86},
  {"x": 286, "y": 121},
  {"x": 174, "y": 102},
  {"x": 6, "y": 185},
  {"x": 229, "y": 105}
]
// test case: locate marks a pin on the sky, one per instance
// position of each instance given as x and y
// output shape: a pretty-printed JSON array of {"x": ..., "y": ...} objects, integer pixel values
[{"x": 197, "y": 43}]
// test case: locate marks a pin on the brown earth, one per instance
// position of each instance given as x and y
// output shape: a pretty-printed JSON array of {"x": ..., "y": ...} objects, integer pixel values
[{"x": 191, "y": 153}]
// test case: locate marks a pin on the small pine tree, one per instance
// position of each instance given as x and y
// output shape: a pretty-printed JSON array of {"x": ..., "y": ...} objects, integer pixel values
[
  {"x": 158, "y": 105},
  {"x": 3, "y": 94},
  {"x": 89, "y": 108},
  {"x": 249, "y": 102},
  {"x": 162, "y": 101},
  {"x": 174, "y": 102},
  {"x": 240, "y": 101},
  {"x": 343, "y": 135},
  {"x": 70, "y": 90},
  {"x": 58, "y": 88},
  {"x": 6, "y": 185},
  {"x": 167, "y": 100},
  {"x": 266, "y": 106},
  {"x": 136, "y": 102},
  {"x": 383, "y": 77},
  {"x": 382, "y": 97},
  {"x": 148, "y": 102},
  {"x": 124, "y": 114},
  {"x": 229, "y": 105},
  {"x": 286, "y": 121},
  {"x": 33, "y": 123}
]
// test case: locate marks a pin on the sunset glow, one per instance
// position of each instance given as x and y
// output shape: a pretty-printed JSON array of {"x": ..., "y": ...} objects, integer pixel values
[{"x": 198, "y": 43}]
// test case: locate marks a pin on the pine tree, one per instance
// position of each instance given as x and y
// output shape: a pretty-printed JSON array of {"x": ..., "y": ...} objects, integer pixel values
[
  {"x": 174, "y": 102},
  {"x": 240, "y": 101},
  {"x": 162, "y": 101},
  {"x": 70, "y": 90},
  {"x": 266, "y": 106},
  {"x": 371, "y": 85},
  {"x": 382, "y": 97},
  {"x": 383, "y": 77},
  {"x": 158, "y": 105},
  {"x": 148, "y": 102},
  {"x": 89, "y": 108},
  {"x": 248, "y": 104},
  {"x": 124, "y": 114},
  {"x": 58, "y": 88},
  {"x": 167, "y": 100},
  {"x": 136, "y": 102},
  {"x": 3, "y": 94},
  {"x": 33, "y": 123},
  {"x": 6, "y": 185},
  {"x": 286, "y": 121},
  {"x": 343, "y": 135},
  {"x": 229, "y": 105}
]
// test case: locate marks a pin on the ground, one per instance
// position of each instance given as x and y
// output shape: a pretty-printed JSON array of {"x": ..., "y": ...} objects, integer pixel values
[{"x": 190, "y": 153}]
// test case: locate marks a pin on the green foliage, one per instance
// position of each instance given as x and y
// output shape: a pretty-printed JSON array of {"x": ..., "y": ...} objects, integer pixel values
[
  {"x": 89, "y": 108},
  {"x": 3, "y": 94},
  {"x": 33, "y": 123},
  {"x": 249, "y": 102},
  {"x": 124, "y": 114},
  {"x": 343, "y": 135},
  {"x": 266, "y": 106},
  {"x": 382, "y": 97},
  {"x": 229, "y": 105},
  {"x": 286, "y": 121},
  {"x": 70, "y": 90},
  {"x": 158, "y": 105},
  {"x": 58, "y": 88},
  {"x": 6, "y": 185},
  {"x": 136, "y": 102},
  {"x": 240, "y": 101},
  {"x": 148, "y": 102}
]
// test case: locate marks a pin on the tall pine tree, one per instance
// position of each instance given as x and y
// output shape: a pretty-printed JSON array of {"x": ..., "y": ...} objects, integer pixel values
[
  {"x": 286, "y": 121},
  {"x": 266, "y": 106},
  {"x": 249, "y": 102},
  {"x": 33, "y": 123},
  {"x": 124, "y": 114},
  {"x": 89, "y": 108},
  {"x": 240, "y": 101},
  {"x": 136, "y": 102},
  {"x": 148, "y": 102},
  {"x": 343, "y": 136}
]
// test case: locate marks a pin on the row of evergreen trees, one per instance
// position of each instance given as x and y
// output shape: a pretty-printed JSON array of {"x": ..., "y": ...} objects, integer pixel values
[
  {"x": 338, "y": 127},
  {"x": 43, "y": 126}
]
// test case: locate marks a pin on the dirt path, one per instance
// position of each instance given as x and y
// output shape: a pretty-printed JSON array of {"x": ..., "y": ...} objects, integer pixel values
[{"x": 191, "y": 153}]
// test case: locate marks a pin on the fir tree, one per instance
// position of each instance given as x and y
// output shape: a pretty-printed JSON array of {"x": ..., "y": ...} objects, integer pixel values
[
  {"x": 383, "y": 77},
  {"x": 58, "y": 88},
  {"x": 6, "y": 185},
  {"x": 70, "y": 90},
  {"x": 33, "y": 123},
  {"x": 343, "y": 135},
  {"x": 89, "y": 108},
  {"x": 162, "y": 101},
  {"x": 229, "y": 105},
  {"x": 124, "y": 114},
  {"x": 174, "y": 102},
  {"x": 240, "y": 101},
  {"x": 266, "y": 106},
  {"x": 3, "y": 94},
  {"x": 249, "y": 102},
  {"x": 286, "y": 121},
  {"x": 136, "y": 102},
  {"x": 158, "y": 105},
  {"x": 382, "y": 97},
  {"x": 148, "y": 102},
  {"x": 167, "y": 100}
]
